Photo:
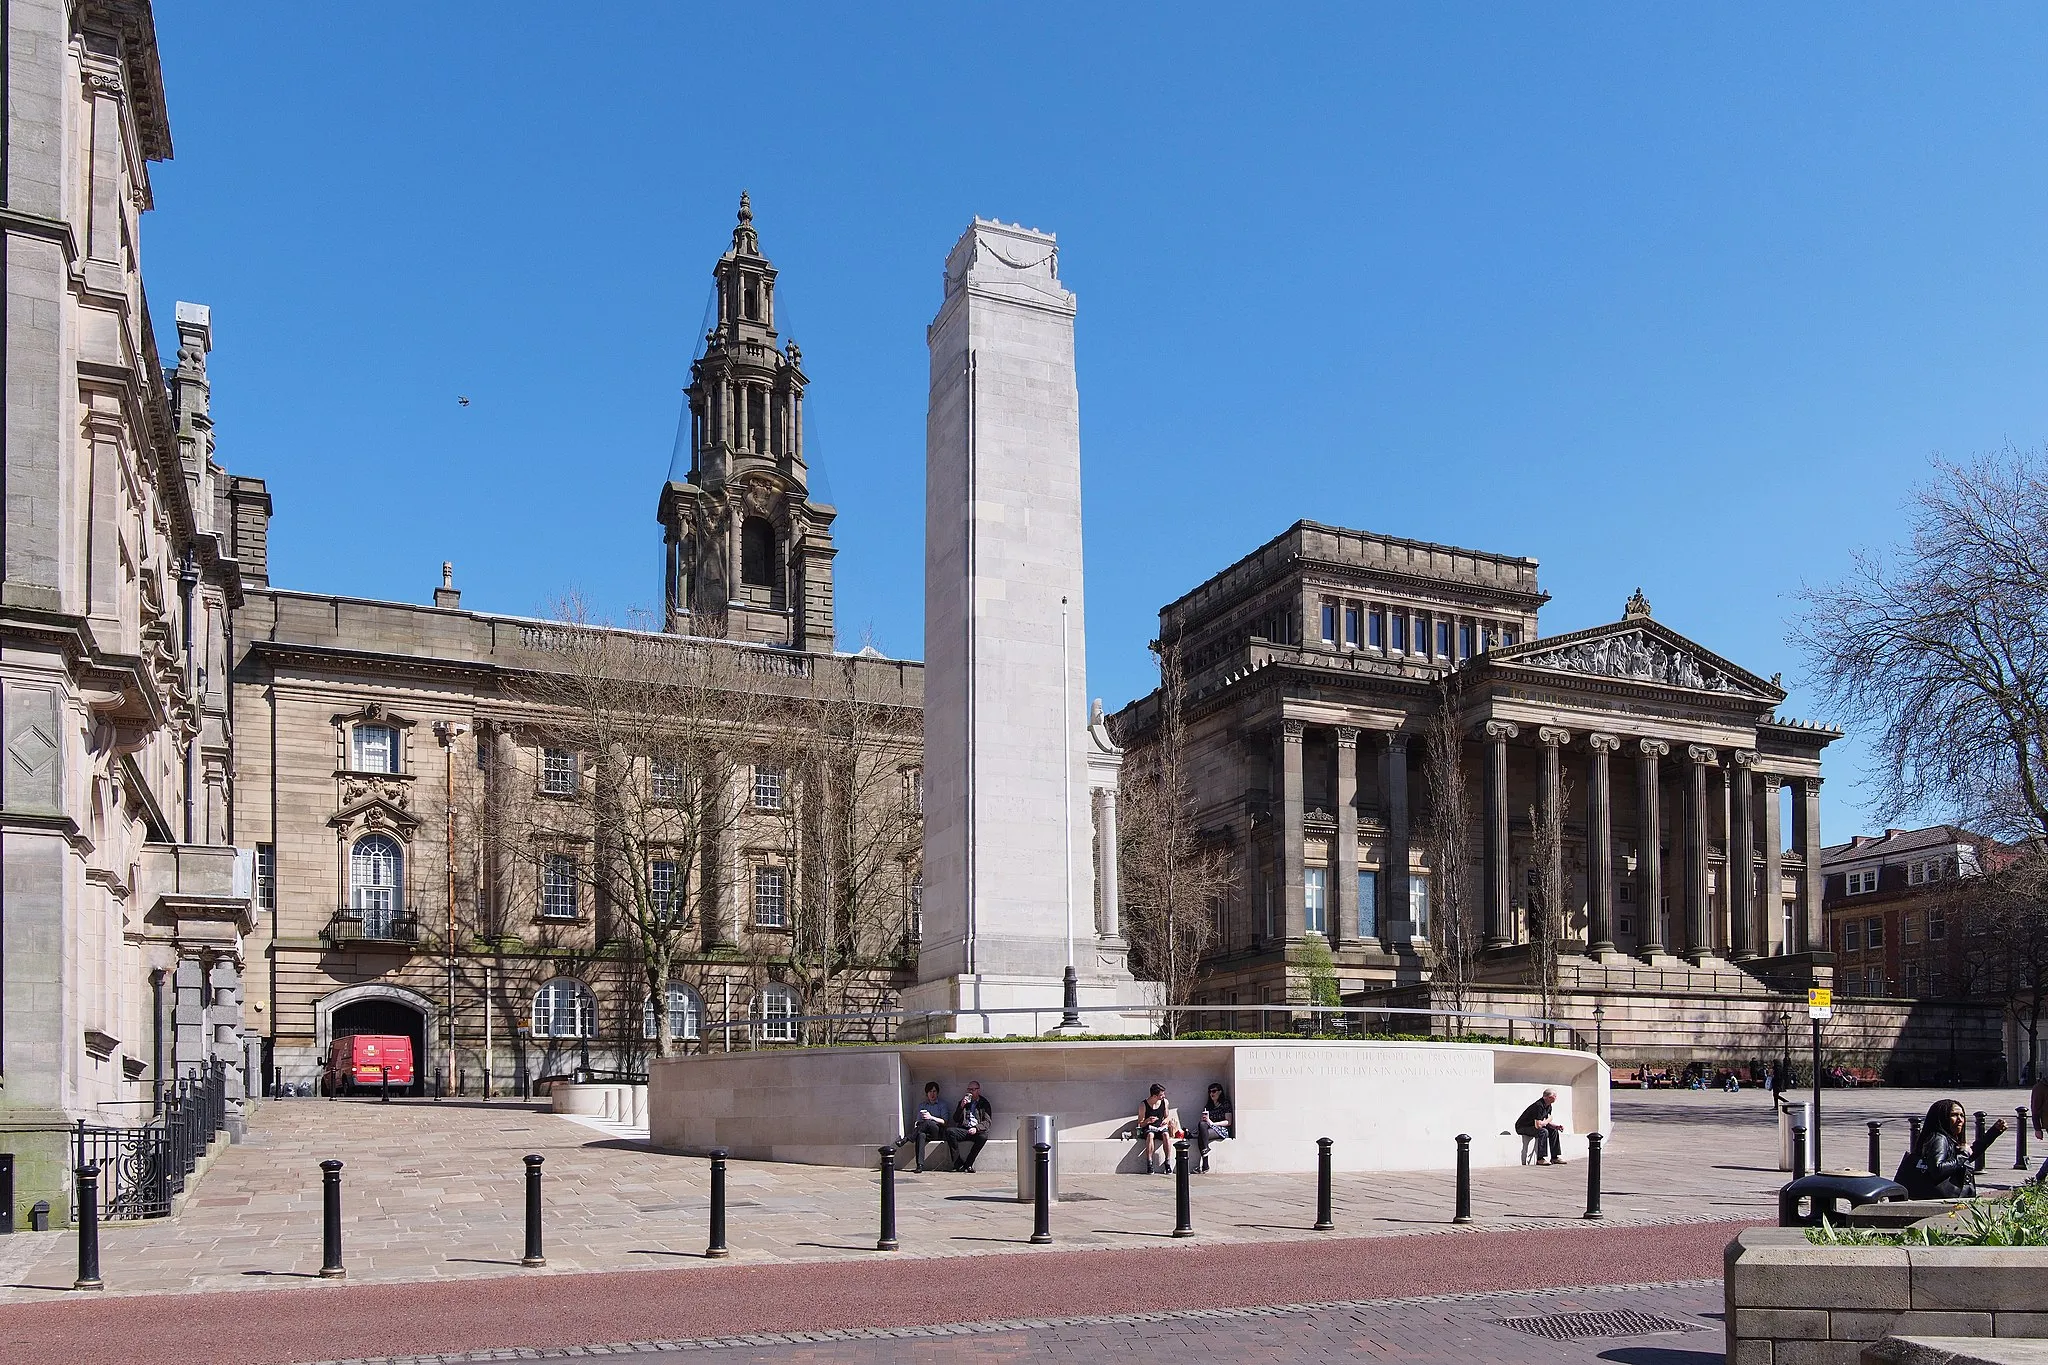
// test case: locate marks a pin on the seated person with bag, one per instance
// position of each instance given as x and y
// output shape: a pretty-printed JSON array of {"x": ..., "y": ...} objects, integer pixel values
[
  {"x": 1942, "y": 1167},
  {"x": 930, "y": 1123}
]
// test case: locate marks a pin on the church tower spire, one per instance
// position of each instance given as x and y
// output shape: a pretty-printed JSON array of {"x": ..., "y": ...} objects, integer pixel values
[{"x": 748, "y": 555}]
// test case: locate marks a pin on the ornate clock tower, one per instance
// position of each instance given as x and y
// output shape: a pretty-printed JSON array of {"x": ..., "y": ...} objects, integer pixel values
[{"x": 747, "y": 554}]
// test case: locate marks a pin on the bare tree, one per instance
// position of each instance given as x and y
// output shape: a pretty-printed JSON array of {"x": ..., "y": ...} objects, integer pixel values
[
  {"x": 2004, "y": 915},
  {"x": 1546, "y": 914},
  {"x": 1174, "y": 875},
  {"x": 855, "y": 819},
  {"x": 1941, "y": 648},
  {"x": 1448, "y": 838},
  {"x": 640, "y": 743}
]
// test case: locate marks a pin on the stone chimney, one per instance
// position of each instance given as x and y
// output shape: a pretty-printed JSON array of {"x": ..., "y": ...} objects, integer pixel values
[{"x": 447, "y": 595}]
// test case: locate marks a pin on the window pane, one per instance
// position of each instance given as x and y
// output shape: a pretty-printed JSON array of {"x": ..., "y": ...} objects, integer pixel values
[
  {"x": 1351, "y": 626},
  {"x": 558, "y": 772},
  {"x": 1314, "y": 904},
  {"x": 770, "y": 906},
  {"x": 1400, "y": 624},
  {"x": 1443, "y": 639},
  {"x": 1465, "y": 641},
  {"x": 1418, "y": 904},
  {"x": 1329, "y": 623},
  {"x": 558, "y": 887},
  {"x": 1376, "y": 630},
  {"x": 767, "y": 788},
  {"x": 1368, "y": 904},
  {"x": 376, "y": 749}
]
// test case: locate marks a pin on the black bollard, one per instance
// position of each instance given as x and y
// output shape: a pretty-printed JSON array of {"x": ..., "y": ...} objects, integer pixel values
[
  {"x": 1593, "y": 1144},
  {"x": 1913, "y": 1134},
  {"x": 330, "y": 1221},
  {"x": 887, "y": 1241},
  {"x": 717, "y": 1247},
  {"x": 1464, "y": 1211},
  {"x": 383, "y": 1085},
  {"x": 2019, "y": 1160},
  {"x": 1041, "y": 1195},
  {"x": 1799, "y": 1153},
  {"x": 533, "y": 1252},
  {"x": 1324, "y": 1223},
  {"x": 1183, "y": 1219},
  {"x": 1978, "y": 1148},
  {"x": 1875, "y": 1156},
  {"x": 88, "y": 1229}
]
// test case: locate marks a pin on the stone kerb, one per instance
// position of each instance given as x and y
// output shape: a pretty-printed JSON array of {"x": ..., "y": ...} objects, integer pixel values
[
  {"x": 1388, "y": 1106},
  {"x": 1791, "y": 1302}
]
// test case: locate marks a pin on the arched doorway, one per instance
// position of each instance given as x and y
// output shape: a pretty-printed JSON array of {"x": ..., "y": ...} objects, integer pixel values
[{"x": 386, "y": 1015}]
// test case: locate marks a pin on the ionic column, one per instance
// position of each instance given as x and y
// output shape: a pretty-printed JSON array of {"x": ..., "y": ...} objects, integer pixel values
[
  {"x": 1550, "y": 740},
  {"x": 1291, "y": 826},
  {"x": 1498, "y": 733},
  {"x": 1699, "y": 942},
  {"x": 1806, "y": 821},
  {"x": 1650, "y": 846},
  {"x": 1600, "y": 834},
  {"x": 1344, "y": 861},
  {"x": 1105, "y": 861},
  {"x": 1774, "y": 868},
  {"x": 1395, "y": 902},
  {"x": 1741, "y": 856}
]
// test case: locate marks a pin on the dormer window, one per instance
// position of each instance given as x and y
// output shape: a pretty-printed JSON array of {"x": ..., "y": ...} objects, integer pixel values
[
  {"x": 1863, "y": 882},
  {"x": 373, "y": 749}
]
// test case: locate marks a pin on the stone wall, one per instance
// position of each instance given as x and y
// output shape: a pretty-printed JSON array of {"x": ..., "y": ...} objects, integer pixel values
[{"x": 1790, "y": 1302}]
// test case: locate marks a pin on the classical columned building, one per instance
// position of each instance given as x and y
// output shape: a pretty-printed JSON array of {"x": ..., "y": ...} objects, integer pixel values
[{"x": 1342, "y": 684}]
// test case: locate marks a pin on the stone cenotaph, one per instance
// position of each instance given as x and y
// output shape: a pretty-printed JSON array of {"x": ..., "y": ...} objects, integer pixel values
[{"x": 1019, "y": 791}]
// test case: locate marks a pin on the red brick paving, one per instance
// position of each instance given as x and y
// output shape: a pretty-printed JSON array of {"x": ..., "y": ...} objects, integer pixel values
[{"x": 706, "y": 1299}]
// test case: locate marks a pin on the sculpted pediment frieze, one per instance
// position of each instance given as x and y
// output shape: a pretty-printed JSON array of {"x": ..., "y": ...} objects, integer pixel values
[{"x": 1637, "y": 653}]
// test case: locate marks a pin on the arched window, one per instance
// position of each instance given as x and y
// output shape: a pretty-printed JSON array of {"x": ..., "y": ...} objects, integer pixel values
[
  {"x": 373, "y": 749},
  {"x": 757, "y": 553},
  {"x": 685, "y": 1012},
  {"x": 775, "y": 1007},
  {"x": 376, "y": 883},
  {"x": 564, "y": 1008}
]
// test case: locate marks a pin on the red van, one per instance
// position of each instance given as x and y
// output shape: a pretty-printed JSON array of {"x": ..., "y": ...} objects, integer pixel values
[{"x": 362, "y": 1061}]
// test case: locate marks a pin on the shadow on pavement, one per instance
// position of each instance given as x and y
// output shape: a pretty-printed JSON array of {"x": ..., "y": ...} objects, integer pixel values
[{"x": 1660, "y": 1355}]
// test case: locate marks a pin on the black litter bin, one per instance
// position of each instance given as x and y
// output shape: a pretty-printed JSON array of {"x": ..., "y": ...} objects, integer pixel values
[{"x": 1824, "y": 1194}]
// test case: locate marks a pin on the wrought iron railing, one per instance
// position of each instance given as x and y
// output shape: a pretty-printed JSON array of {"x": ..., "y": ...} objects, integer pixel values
[
  {"x": 372, "y": 926},
  {"x": 143, "y": 1169}
]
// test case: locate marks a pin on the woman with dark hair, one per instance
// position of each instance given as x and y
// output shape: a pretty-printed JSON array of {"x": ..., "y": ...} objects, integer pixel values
[
  {"x": 1153, "y": 1122},
  {"x": 1213, "y": 1123},
  {"x": 1944, "y": 1166}
]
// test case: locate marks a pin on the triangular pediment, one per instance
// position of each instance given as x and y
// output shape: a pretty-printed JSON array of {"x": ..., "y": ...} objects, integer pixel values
[
  {"x": 1639, "y": 650},
  {"x": 376, "y": 811}
]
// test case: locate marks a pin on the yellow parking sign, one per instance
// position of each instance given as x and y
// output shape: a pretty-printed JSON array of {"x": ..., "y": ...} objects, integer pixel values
[{"x": 1819, "y": 999}]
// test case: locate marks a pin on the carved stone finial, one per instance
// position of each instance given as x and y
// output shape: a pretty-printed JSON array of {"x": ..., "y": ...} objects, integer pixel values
[
  {"x": 743, "y": 238},
  {"x": 746, "y": 208},
  {"x": 1637, "y": 605},
  {"x": 1778, "y": 681}
]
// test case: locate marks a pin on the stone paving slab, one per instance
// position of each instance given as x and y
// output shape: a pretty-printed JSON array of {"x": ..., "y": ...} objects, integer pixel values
[{"x": 433, "y": 1191}]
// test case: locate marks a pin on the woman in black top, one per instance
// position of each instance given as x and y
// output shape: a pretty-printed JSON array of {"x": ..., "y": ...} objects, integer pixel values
[
  {"x": 1944, "y": 1166},
  {"x": 1152, "y": 1122},
  {"x": 1214, "y": 1122}
]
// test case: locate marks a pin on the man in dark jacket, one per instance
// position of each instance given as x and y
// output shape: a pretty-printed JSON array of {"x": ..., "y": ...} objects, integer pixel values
[
  {"x": 1536, "y": 1123},
  {"x": 971, "y": 1121}
]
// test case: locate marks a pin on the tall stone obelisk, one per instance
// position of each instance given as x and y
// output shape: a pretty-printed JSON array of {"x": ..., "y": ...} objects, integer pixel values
[{"x": 1009, "y": 880}]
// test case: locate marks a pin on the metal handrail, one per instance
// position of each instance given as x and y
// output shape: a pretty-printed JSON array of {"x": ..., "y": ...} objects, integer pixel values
[{"x": 984, "y": 1014}]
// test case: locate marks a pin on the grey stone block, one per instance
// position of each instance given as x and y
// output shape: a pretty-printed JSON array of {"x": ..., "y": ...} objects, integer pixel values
[
  {"x": 1987, "y": 1278},
  {"x": 1818, "y": 1353},
  {"x": 1797, "y": 1324},
  {"x": 1930, "y": 1350},
  {"x": 1750, "y": 1352},
  {"x": 1821, "y": 1277},
  {"x": 2019, "y": 1324},
  {"x": 1853, "y": 1326}
]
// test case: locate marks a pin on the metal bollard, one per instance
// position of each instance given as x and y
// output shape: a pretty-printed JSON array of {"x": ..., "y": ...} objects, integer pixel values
[
  {"x": 1913, "y": 1134},
  {"x": 1593, "y": 1144},
  {"x": 383, "y": 1085},
  {"x": 1875, "y": 1155},
  {"x": 887, "y": 1241},
  {"x": 1041, "y": 1195},
  {"x": 533, "y": 1251},
  {"x": 1978, "y": 1148},
  {"x": 1183, "y": 1220},
  {"x": 1799, "y": 1153},
  {"x": 717, "y": 1247},
  {"x": 88, "y": 1229},
  {"x": 1324, "y": 1223},
  {"x": 330, "y": 1221},
  {"x": 1464, "y": 1210},
  {"x": 2019, "y": 1160}
]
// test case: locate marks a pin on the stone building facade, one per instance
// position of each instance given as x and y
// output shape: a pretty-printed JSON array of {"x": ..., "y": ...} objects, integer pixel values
[
  {"x": 394, "y": 746},
  {"x": 123, "y": 900},
  {"x": 1681, "y": 807}
]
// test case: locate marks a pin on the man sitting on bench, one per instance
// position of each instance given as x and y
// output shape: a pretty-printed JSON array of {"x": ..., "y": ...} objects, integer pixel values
[{"x": 1536, "y": 1123}]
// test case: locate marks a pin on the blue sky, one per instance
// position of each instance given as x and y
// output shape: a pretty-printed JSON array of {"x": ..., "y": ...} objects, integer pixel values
[{"x": 1678, "y": 298}]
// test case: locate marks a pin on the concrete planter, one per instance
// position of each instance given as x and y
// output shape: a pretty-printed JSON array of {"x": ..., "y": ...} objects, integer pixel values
[{"x": 1791, "y": 1302}]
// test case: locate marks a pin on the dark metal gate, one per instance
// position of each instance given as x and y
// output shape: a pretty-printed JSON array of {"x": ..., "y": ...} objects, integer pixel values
[{"x": 143, "y": 1169}]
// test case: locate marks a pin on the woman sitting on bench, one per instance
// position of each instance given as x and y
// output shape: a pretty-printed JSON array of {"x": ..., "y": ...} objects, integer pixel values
[{"x": 1153, "y": 1122}]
